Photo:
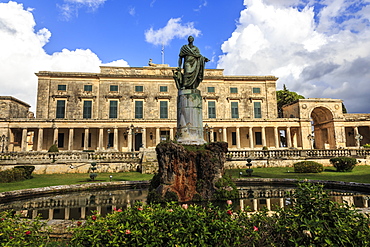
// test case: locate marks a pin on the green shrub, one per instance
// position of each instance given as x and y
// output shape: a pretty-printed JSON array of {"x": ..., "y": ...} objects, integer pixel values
[
  {"x": 15, "y": 231},
  {"x": 12, "y": 175},
  {"x": 308, "y": 167},
  {"x": 28, "y": 170},
  {"x": 53, "y": 148},
  {"x": 312, "y": 220},
  {"x": 343, "y": 164},
  {"x": 226, "y": 189},
  {"x": 366, "y": 145}
]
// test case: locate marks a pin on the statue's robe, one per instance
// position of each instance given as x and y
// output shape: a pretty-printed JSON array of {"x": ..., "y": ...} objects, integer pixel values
[{"x": 193, "y": 67}]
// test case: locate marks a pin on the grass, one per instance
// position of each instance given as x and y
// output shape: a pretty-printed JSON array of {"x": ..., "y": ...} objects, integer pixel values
[
  {"x": 45, "y": 180},
  {"x": 360, "y": 174}
]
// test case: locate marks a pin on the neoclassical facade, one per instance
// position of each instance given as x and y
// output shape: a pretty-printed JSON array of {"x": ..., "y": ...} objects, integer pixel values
[{"x": 129, "y": 108}]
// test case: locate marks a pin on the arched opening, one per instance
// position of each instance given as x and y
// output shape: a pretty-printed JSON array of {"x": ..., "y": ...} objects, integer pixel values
[{"x": 323, "y": 127}]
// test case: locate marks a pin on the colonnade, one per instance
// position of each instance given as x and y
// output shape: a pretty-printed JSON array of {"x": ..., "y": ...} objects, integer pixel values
[{"x": 238, "y": 137}]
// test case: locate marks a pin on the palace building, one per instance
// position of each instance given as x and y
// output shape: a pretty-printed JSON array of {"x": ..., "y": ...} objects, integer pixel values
[{"x": 132, "y": 108}]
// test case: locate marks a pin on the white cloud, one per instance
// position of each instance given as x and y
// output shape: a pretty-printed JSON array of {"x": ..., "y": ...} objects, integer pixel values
[
  {"x": 320, "y": 52},
  {"x": 132, "y": 11},
  {"x": 173, "y": 29},
  {"x": 22, "y": 54},
  {"x": 70, "y": 8}
]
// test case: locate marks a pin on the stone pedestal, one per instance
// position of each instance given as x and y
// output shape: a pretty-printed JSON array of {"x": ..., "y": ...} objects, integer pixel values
[{"x": 189, "y": 117}]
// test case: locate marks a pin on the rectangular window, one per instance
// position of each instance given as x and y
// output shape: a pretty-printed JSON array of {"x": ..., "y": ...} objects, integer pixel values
[
  {"x": 138, "y": 109},
  {"x": 258, "y": 137},
  {"x": 233, "y": 90},
  {"x": 113, "y": 88},
  {"x": 233, "y": 138},
  {"x": 88, "y": 141},
  {"x": 211, "y": 109},
  {"x": 139, "y": 88},
  {"x": 210, "y": 89},
  {"x": 113, "y": 107},
  {"x": 61, "y": 108},
  {"x": 234, "y": 110},
  {"x": 87, "y": 109},
  {"x": 163, "y": 89},
  {"x": 60, "y": 140},
  {"x": 257, "y": 110},
  {"x": 256, "y": 90},
  {"x": 163, "y": 111},
  {"x": 62, "y": 87},
  {"x": 87, "y": 88}
]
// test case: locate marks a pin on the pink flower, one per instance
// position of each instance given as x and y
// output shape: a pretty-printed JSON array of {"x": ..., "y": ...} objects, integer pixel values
[
  {"x": 170, "y": 210},
  {"x": 229, "y": 202},
  {"x": 11, "y": 237},
  {"x": 229, "y": 212},
  {"x": 79, "y": 223},
  {"x": 93, "y": 217},
  {"x": 27, "y": 232},
  {"x": 255, "y": 228},
  {"x": 140, "y": 209},
  {"x": 184, "y": 206},
  {"x": 119, "y": 210},
  {"x": 127, "y": 232},
  {"x": 114, "y": 209}
]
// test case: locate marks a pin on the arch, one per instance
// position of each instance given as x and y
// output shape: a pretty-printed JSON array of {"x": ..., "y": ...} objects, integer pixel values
[{"x": 323, "y": 126}]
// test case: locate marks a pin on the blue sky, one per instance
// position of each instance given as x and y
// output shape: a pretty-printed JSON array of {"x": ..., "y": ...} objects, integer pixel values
[{"x": 319, "y": 49}]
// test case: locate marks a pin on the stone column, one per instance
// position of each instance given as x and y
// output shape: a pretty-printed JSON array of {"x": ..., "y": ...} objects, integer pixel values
[
  {"x": 67, "y": 212},
  {"x": 86, "y": 139},
  {"x": 115, "y": 139},
  {"x": 237, "y": 137},
  {"x": 129, "y": 141},
  {"x": 51, "y": 213},
  {"x": 212, "y": 139},
  {"x": 157, "y": 136},
  {"x": 101, "y": 139},
  {"x": 224, "y": 133},
  {"x": 83, "y": 212},
  {"x": 263, "y": 135},
  {"x": 288, "y": 138},
  {"x": 24, "y": 140},
  {"x": 268, "y": 204},
  {"x": 70, "y": 139},
  {"x": 255, "y": 205},
  {"x": 55, "y": 136},
  {"x": 276, "y": 137},
  {"x": 251, "y": 139},
  {"x": 143, "y": 131},
  {"x": 189, "y": 117},
  {"x": 40, "y": 139},
  {"x": 171, "y": 133}
]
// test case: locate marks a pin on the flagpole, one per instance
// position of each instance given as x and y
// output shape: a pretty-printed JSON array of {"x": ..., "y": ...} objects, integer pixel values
[{"x": 162, "y": 53}]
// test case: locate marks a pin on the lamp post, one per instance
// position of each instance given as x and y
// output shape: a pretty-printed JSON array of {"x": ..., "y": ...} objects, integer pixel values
[
  {"x": 108, "y": 145},
  {"x": 311, "y": 137},
  {"x": 3, "y": 139},
  {"x": 208, "y": 130},
  {"x": 132, "y": 130},
  {"x": 220, "y": 131}
]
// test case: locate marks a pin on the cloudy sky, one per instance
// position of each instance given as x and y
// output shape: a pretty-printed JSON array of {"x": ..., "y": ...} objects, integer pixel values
[{"x": 320, "y": 49}]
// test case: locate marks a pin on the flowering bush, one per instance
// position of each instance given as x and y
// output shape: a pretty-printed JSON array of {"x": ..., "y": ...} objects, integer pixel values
[
  {"x": 15, "y": 231},
  {"x": 312, "y": 220}
]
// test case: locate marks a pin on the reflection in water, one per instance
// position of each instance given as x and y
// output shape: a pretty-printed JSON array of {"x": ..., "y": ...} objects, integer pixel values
[{"x": 79, "y": 205}]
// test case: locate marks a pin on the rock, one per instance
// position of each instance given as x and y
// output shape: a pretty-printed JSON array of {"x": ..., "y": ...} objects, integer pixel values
[{"x": 188, "y": 171}]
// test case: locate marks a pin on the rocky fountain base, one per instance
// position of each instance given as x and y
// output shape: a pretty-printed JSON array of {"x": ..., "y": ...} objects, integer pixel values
[{"x": 189, "y": 172}]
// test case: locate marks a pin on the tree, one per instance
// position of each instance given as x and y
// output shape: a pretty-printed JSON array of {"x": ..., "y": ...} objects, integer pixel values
[{"x": 285, "y": 97}]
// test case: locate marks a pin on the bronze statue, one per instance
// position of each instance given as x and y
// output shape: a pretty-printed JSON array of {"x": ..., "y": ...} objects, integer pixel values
[{"x": 194, "y": 64}]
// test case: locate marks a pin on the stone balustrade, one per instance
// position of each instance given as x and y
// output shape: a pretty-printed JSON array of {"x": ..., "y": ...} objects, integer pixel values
[{"x": 297, "y": 154}]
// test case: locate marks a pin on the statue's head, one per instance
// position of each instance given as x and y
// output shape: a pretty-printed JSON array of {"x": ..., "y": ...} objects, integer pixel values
[{"x": 190, "y": 39}]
